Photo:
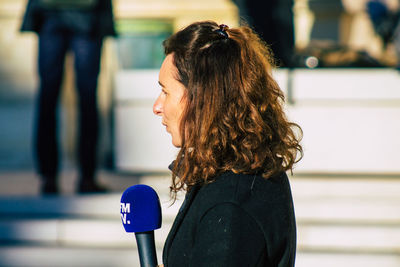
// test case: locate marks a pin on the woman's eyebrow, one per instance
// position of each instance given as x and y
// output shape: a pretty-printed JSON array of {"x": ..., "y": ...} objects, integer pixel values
[{"x": 160, "y": 84}]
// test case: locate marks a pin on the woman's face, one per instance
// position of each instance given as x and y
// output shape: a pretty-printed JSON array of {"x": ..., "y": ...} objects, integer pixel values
[{"x": 170, "y": 103}]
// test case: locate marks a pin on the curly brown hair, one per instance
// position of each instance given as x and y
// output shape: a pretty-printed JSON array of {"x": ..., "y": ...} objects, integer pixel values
[{"x": 233, "y": 118}]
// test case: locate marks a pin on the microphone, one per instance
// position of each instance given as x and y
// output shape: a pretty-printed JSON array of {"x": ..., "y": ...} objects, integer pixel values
[{"x": 141, "y": 214}]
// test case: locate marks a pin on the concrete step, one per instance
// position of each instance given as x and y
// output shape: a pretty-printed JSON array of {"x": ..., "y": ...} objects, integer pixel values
[
  {"x": 110, "y": 234},
  {"x": 45, "y": 256},
  {"x": 94, "y": 233},
  {"x": 95, "y": 206},
  {"x": 344, "y": 259},
  {"x": 90, "y": 221},
  {"x": 347, "y": 238},
  {"x": 363, "y": 211},
  {"x": 49, "y": 256},
  {"x": 368, "y": 210},
  {"x": 360, "y": 186}
]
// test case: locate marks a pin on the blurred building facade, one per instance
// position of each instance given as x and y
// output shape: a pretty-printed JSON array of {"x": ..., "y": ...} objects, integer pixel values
[{"x": 342, "y": 21}]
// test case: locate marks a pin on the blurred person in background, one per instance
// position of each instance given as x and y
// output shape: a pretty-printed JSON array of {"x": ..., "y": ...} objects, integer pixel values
[
  {"x": 386, "y": 24},
  {"x": 397, "y": 42},
  {"x": 224, "y": 111},
  {"x": 79, "y": 26},
  {"x": 273, "y": 21}
]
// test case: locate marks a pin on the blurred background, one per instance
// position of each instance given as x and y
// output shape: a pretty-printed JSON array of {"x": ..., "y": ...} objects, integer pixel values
[{"x": 338, "y": 68}]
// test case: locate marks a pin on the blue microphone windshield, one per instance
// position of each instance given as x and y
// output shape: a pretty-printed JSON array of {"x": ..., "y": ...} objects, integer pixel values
[{"x": 140, "y": 209}]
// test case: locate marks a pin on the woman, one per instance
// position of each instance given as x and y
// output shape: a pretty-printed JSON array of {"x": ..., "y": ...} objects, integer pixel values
[{"x": 224, "y": 110}]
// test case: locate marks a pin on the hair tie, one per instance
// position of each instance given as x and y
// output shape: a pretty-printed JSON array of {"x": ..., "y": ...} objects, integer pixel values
[{"x": 222, "y": 30}]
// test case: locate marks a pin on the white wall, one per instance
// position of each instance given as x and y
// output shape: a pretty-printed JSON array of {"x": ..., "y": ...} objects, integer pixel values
[
  {"x": 350, "y": 119},
  {"x": 141, "y": 142}
]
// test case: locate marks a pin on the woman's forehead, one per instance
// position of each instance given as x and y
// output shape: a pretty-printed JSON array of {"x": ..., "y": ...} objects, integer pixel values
[
  {"x": 168, "y": 71},
  {"x": 168, "y": 68}
]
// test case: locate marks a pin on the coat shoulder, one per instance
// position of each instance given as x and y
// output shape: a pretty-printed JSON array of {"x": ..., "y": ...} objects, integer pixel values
[{"x": 242, "y": 188}]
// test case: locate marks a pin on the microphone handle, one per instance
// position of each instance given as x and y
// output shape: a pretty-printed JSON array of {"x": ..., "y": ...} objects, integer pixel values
[{"x": 147, "y": 249}]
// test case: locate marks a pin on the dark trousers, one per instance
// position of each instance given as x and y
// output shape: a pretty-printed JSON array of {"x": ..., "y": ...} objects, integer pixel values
[{"x": 54, "y": 42}]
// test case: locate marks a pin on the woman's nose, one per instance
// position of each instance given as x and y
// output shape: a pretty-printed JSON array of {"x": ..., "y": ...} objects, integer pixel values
[{"x": 157, "y": 106}]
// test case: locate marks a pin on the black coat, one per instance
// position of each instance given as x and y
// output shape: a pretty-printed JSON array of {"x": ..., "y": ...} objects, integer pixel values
[
  {"x": 238, "y": 220},
  {"x": 103, "y": 24}
]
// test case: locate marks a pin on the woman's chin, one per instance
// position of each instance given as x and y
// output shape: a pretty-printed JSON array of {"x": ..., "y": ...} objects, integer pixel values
[{"x": 176, "y": 143}]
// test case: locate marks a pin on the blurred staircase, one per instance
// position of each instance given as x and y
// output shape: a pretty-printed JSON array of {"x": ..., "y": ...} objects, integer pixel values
[
  {"x": 342, "y": 221},
  {"x": 348, "y": 221},
  {"x": 74, "y": 230}
]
